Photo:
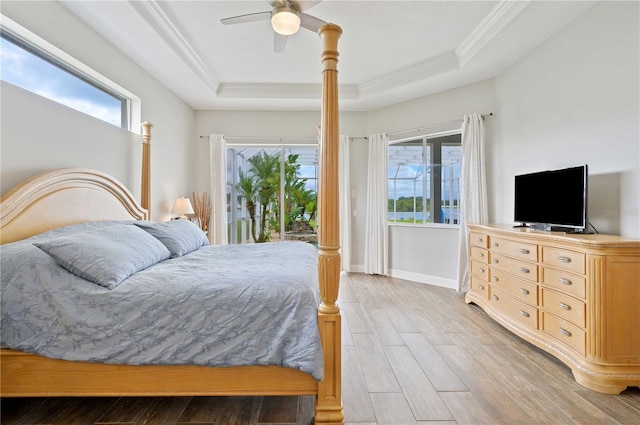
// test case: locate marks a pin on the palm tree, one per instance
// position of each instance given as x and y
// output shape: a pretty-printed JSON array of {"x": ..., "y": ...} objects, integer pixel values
[
  {"x": 248, "y": 190},
  {"x": 265, "y": 177}
]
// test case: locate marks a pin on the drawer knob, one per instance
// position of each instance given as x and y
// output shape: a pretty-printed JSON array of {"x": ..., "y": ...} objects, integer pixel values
[
  {"x": 523, "y": 313},
  {"x": 495, "y": 278},
  {"x": 564, "y": 306},
  {"x": 523, "y": 270},
  {"x": 564, "y": 281},
  {"x": 495, "y": 244},
  {"x": 524, "y": 251},
  {"x": 495, "y": 297},
  {"x": 495, "y": 261},
  {"x": 523, "y": 291},
  {"x": 564, "y": 259},
  {"x": 480, "y": 240},
  {"x": 481, "y": 270},
  {"x": 564, "y": 332},
  {"x": 481, "y": 287},
  {"x": 480, "y": 254}
]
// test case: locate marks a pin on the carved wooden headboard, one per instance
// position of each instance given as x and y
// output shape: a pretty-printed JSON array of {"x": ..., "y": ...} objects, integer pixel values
[{"x": 63, "y": 197}]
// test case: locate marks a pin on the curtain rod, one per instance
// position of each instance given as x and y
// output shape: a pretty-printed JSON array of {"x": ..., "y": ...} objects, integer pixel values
[
  {"x": 434, "y": 125},
  {"x": 264, "y": 138},
  {"x": 280, "y": 138},
  {"x": 490, "y": 114}
]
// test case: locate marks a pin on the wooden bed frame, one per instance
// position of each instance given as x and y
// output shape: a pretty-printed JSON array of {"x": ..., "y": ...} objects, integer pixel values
[{"x": 77, "y": 195}]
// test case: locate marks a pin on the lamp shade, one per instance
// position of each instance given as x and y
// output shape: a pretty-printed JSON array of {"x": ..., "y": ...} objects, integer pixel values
[
  {"x": 182, "y": 206},
  {"x": 285, "y": 21}
]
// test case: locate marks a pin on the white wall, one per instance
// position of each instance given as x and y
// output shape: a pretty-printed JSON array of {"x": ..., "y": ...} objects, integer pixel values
[
  {"x": 575, "y": 100},
  {"x": 40, "y": 135}
]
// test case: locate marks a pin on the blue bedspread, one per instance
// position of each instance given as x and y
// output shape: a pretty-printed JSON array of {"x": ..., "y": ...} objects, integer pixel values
[{"x": 219, "y": 305}]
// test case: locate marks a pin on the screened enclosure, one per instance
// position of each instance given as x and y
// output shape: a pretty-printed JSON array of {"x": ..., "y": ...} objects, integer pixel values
[{"x": 423, "y": 179}]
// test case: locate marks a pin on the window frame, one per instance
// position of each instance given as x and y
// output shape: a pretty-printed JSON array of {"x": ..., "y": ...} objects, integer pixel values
[
  {"x": 427, "y": 139},
  {"x": 130, "y": 104}
]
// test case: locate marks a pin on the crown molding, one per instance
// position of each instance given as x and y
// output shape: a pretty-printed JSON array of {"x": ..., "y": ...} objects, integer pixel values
[
  {"x": 280, "y": 91},
  {"x": 411, "y": 74},
  {"x": 152, "y": 12},
  {"x": 502, "y": 14}
]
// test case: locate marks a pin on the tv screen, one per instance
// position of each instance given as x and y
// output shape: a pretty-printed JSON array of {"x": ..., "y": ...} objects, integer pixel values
[{"x": 556, "y": 197}]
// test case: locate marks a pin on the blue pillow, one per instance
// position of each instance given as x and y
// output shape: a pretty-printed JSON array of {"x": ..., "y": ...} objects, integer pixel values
[
  {"x": 179, "y": 236},
  {"x": 106, "y": 256}
]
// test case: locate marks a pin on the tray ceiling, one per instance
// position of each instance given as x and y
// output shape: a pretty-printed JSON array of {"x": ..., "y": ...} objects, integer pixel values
[{"x": 390, "y": 51}]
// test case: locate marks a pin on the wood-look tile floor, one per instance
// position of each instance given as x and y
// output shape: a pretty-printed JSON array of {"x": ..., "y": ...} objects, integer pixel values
[{"x": 413, "y": 354}]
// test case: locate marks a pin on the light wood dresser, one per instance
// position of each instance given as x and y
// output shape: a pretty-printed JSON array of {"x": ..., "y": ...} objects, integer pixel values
[{"x": 575, "y": 296}]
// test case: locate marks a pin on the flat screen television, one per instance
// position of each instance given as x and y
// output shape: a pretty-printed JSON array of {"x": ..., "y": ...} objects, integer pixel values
[{"x": 556, "y": 198}]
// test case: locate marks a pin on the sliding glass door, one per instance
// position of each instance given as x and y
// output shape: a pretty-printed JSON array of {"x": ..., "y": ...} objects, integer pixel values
[{"x": 271, "y": 193}]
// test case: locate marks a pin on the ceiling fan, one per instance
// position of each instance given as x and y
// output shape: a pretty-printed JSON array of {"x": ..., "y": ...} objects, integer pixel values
[{"x": 287, "y": 16}]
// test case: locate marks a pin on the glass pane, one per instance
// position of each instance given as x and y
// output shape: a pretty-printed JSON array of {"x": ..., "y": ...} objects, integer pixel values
[
  {"x": 450, "y": 184},
  {"x": 405, "y": 173},
  {"x": 424, "y": 186},
  {"x": 30, "y": 72},
  {"x": 300, "y": 195},
  {"x": 257, "y": 184},
  {"x": 263, "y": 211}
]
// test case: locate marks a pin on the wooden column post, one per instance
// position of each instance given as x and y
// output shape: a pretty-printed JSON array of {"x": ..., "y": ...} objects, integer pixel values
[
  {"x": 145, "y": 196},
  {"x": 329, "y": 402}
]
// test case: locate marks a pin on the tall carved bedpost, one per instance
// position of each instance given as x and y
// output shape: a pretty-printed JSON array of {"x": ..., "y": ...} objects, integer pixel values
[
  {"x": 145, "y": 196},
  {"x": 329, "y": 404}
]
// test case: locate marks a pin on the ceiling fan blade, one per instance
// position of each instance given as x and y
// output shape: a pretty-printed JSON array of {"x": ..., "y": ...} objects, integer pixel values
[
  {"x": 277, "y": 3},
  {"x": 251, "y": 17},
  {"x": 306, "y": 4},
  {"x": 311, "y": 22},
  {"x": 279, "y": 42}
]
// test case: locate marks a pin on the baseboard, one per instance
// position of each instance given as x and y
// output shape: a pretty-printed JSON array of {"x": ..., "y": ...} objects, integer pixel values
[
  {"x": 415, "y": 277},
  {"x": 357, "y": 268}
]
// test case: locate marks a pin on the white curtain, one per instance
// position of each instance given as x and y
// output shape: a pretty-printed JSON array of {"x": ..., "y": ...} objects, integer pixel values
[
  {"x": 345, "y": 204},
  {"x": 218, "y": 189},
  {"x": 473, "y": 190},
  {"x": 376, "y": 246}
]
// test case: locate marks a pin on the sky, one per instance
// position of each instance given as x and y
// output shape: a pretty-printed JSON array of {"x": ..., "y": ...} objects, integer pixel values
[{"x": 28, "y": 71}]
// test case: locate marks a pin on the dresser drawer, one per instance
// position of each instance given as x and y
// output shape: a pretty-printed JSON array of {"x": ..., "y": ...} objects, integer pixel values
[
  {"x": 517, "y": 268},
  {"x": 479, "y": 254},
  {"x": 564, "y": 259},
  {"x": 564, "y": 306},
  {"x": 478, "y": 239},
  {"x": 565, "y": 331},
  {"x": 516, "y": 249},
  {"x": 564, "y": 281},
  {"x": 516, "y": 309},
  {"x": 479, "y": 286},
  {"x": 480, "y": 269},
  {"x": 521, "y": 289}
]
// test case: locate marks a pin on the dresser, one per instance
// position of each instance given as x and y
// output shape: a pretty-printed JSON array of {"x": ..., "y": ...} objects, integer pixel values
[{"x": 576, "y": 297}]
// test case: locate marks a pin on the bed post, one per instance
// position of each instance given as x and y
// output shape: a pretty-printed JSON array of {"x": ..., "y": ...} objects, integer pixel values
[
  {"x": 145, "y": 196},
  {"x": 329, "y": 401}
]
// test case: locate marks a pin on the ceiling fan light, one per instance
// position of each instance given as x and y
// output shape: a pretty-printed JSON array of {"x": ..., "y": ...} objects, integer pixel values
[{"x": 285, "y": 22}]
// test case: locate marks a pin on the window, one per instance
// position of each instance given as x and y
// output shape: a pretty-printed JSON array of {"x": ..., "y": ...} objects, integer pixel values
[
  {"x": 272, "y": 193},
  {"x": 423, "y": 180},
  {"x": 34, "y": 65}
]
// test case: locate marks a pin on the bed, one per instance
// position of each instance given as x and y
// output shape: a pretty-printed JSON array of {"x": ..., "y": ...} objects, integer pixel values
[{"x": 40, "y": 208}]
